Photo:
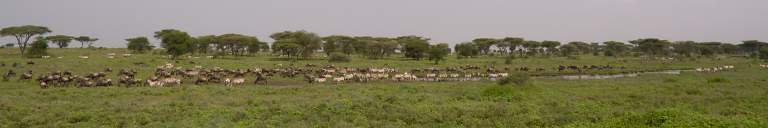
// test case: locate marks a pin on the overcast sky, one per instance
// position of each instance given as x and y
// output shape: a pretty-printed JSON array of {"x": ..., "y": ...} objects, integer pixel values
[{"x": 445, "y": 21}]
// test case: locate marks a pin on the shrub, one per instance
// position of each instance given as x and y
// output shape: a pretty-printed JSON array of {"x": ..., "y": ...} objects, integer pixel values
[
  {"x": 670, "y": 80},
  {"x": 38, "y": 48},
  {"x": 508, "y": 60},
  {"x": 717, "y": 80},
  {"x": 338, "y": 57},
  {"x": 516, "y": 78},
  {"x": 498, "y": 91}
]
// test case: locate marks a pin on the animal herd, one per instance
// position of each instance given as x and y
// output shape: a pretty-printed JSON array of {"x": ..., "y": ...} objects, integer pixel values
[
  {"x": 716, "y": 68},
  {"x": 170, "y": 75},
  {"x": 108, "y": 56}
]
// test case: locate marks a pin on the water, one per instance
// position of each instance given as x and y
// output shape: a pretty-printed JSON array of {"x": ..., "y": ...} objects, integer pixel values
[{"x": 613, "y": 76}]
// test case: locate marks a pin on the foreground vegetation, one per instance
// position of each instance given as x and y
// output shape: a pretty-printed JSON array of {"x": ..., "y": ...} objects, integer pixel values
[{"x": 723, "y": 99}]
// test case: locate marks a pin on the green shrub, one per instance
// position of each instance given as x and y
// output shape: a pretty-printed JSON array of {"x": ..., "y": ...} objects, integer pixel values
[
  {"x": 498, "y": 91},
  {"x": 717, "y": 80},
  {"x": 670, "y": 80},
  {"x": 38, "y": 48},
  {"x": 338, "y": 57},
  {"x": 515, "y": 78}
]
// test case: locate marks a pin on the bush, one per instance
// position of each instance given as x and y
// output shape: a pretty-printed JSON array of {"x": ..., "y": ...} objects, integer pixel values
[
  {"x": 498, "y": 91},
  {"x": 670, "y": 80},
  {"x": 338, "y": 57},
  {"x": 717, "y": 80},
  {"x": 38, "y": 48},
  {"x": 516, "y": 78}
]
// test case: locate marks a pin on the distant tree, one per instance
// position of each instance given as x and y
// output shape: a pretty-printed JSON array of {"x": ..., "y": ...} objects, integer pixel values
[
  {"x": 729, "y": 48},
  {"x": 414, "y": 47},
  {"x": 763, "y": 53},
  {"x": 237, "y": 44},
  {"x": 684, "y": 48},
  {"x": 615, "y": 48},
  {"x": 255, "y": 46},
  {"x": 38, "y": 48},
  {"x": 751, "y": 47},
  {"x": 438, "y": 52},
  {"x": 569, "y": 49},
  {"x": 338, "y": 57},
  {"x": 652, "y": 47},
  {"x": 23, "y": 34},
  {"x": 531, "y": 47},
  {"x": 338, "y": 43},
  {"x": 175, "y": 42},
  {"x": 85, "y": 39},
  {"x": 513, "y": 44},
  {"x": 595, "y": 48},
  {"x": 203, "y": 43},
  {"x": 378, "y": 49},
  {"x": 709, "y": 48},
  {"x": 485, "y": 44},
  {"x": 9, "y": 45},
  {"x": 581, "y": 47},
  {"x": 296, "y": 43},
  {"x": 60, "y": 40},
  {"x": 138, "y": 44},
  {"x": 550, "y": 46},
  {"x": 467, "y": 49}
]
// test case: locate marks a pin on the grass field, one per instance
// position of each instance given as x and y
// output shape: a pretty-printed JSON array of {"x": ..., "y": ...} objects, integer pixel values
[{"x": 725, "y": 99}]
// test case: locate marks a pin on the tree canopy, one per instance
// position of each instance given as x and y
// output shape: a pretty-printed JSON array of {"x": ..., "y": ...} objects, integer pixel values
[
  {"x": 60, "y": 40},
  {"x": 438, "y": 52},
  {"x": 175, "y": 42},
  {"x": 138, "y": 44},
  {"x": 85, "y": 39},
  {"x": 414, "y": 46},
  {"x": 296, "y": 43}
]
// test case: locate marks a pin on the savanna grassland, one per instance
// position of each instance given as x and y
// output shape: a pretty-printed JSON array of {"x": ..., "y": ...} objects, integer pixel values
[{"x": 723, "y": 99}]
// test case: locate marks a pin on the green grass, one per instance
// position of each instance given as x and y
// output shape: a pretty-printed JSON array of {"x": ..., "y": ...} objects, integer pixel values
[{"x": 725, "y": 99}]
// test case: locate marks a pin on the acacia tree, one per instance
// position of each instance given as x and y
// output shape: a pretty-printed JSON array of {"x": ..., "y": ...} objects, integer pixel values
[
  {"x": 296, "y": 43},
  {"x": 23, "y": 34},
  {"x": 174, "y": 41},
  {"x": 138, "y": 44},
  {"x": 763, "y": 53},
  {"x": 684, "y": 48},
  {"x": 336, "y": 43},
  {"x": 60, "y": 40},
  {"x": 438, "y": 52},
  {"x": 752, "y": 47},
  {"x": 85, "y": 39},
  {"x": 485, "y": 44},
  {"x": 414, "y": 46},
  {"x": 466, "y": 49},
  {"x": 378, "y": 49},
  {"x": 513, "y": 44},
  {"x": 568, "y": 49},
  {"x": 615, "y": 48},
  {"x": 652, "y": 46},
  {"x": 531, "y": 47},
  {"x": 708, "y": 48},
  {"x": 550, "y": 46}
]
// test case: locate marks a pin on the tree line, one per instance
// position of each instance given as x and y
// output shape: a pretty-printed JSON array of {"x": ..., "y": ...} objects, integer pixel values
[
  {"x": 649, "y": 47},
  {"x": 24, "y": 34},
  {"x": 302, "y": 44}
]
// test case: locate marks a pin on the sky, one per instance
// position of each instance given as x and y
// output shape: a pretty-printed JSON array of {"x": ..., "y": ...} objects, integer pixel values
[{"x": 443, "y": 21}]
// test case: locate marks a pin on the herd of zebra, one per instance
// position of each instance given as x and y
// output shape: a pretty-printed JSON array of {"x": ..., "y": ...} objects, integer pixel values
[{"x": 172, "y": 75}]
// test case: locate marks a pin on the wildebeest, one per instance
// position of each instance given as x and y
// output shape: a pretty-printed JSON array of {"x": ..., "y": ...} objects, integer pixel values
[
  {"x": 7, "y": 76},
  {"x": 26, "y": 76}
]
